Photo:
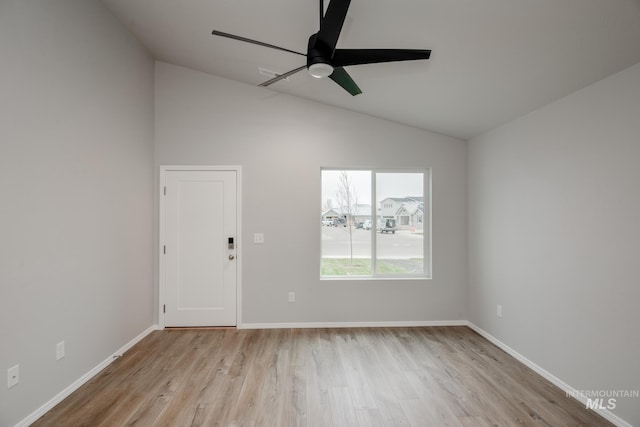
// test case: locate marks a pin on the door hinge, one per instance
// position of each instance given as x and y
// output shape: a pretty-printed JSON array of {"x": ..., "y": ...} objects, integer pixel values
[
  {"x": 164, "y": 249},
  {"x": 165, "y": 190},
  {"x": 164, "y": 308}
]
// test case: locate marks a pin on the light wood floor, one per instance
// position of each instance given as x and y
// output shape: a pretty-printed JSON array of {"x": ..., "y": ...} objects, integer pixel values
[{"x": 441, "y": 376}]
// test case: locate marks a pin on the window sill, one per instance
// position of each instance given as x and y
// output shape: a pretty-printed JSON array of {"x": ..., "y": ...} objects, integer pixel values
[{"x": 374, "y": 279}]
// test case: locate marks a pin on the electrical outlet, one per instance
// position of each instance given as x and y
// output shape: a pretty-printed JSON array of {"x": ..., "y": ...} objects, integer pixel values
[
  {"x": 292, "y": 297},
  {"x": 258, "y": 238},
  {"x": 60, "y": 350},
  {"x": 13, "y": 376},
  {"x": 499, "y": 311}
]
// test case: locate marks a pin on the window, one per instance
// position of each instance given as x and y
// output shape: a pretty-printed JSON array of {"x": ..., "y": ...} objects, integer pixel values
[{"x": 384, "y": 228}]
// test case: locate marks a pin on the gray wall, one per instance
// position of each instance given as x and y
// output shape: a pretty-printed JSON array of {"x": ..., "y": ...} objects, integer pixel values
[
  {"x": 282, "y": 142},
  {"x": 554, "y": 235},
  {"x": 76, "y": 149}
]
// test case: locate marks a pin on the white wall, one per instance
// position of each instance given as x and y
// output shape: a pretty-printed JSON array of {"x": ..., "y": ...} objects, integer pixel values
[
  {"x": 554, "y": 236},
  {"x": 282, "y": 142},
  {"x": 76, "y": 149}
]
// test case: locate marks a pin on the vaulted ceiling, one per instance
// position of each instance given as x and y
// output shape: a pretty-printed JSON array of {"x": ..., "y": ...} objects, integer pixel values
[{"x": 492, "y": 60}]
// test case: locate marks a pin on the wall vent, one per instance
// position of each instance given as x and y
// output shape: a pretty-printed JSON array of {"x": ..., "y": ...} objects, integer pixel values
[{"x": 269, "y": 73}]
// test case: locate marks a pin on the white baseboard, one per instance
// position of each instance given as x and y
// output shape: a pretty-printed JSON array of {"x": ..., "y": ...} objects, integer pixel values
[
  {"x": 31, "y": 418},
  {"x": 383, "y": 324},
  {"x": 608, "y": 415}
]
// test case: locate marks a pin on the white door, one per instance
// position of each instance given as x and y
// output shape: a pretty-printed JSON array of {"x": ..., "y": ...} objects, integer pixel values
[{"x": 199, "y": 249}]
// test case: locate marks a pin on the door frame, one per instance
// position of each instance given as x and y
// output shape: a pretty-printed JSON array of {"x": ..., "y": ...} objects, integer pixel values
[{"x": 164, "y": 169}]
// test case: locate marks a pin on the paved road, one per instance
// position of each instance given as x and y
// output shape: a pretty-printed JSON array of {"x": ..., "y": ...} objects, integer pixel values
[{"x": 401, "y": 245}]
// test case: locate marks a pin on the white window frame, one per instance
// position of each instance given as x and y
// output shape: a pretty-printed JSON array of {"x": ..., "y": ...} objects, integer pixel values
[{"x": 426, "y": 221}]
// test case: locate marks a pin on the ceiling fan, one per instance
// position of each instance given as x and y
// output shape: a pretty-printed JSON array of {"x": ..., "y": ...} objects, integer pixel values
[{"x": 324, "y": 60}]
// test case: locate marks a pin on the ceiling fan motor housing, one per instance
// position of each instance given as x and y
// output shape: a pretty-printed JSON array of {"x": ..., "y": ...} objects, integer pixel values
[{"x": 316, "y": 54}]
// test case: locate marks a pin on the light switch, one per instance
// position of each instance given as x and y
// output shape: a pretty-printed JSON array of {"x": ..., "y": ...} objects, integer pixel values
[{"x": 258, "y": 238}]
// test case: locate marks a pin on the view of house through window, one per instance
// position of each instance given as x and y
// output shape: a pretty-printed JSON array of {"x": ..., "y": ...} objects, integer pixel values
[{"x": 374, "y": 223}]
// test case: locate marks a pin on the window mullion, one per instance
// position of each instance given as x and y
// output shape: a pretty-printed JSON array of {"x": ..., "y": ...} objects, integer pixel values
[{"x": 374, "y": 224}]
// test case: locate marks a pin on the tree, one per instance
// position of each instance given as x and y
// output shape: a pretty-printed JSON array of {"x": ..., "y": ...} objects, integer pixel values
[{"x": 347, "y": 199}]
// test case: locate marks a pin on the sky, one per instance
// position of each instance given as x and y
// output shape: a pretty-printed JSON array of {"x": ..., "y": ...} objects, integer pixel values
[{"x": 396, "y": 184}]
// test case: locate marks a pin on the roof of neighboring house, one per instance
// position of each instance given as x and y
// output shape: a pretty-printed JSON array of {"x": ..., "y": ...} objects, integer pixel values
[
  {"x": 407, "y": 199},
  {"x": 410, "y": 208},
  {"x": 358, "y": 210},
  {"x": 330, "y": 212}
]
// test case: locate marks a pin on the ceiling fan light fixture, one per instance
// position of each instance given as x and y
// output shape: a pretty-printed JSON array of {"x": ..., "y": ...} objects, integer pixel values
[{"x": 320, "y": 70}]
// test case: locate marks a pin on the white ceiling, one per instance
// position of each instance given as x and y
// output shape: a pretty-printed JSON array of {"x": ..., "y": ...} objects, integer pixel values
[{"x": 492, "y": 60}]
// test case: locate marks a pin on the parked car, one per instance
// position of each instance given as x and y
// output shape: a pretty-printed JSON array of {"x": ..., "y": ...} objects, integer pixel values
[
  {"x": 389, "y": 226},
  {"x": 339, "y": 222},
  {"x": 366, "y": 225},
  {"x": 327, "y": 222}
]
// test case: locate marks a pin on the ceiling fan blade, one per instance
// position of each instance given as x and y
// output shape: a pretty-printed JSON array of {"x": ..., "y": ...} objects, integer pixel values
[
  {"x": 282, "y": 76},
  {"x": 244, "y": 39},
  {"x": 343, "y": 57},
  {"x": 331, "y": 24},
  {"x": 343, "y": 78}
]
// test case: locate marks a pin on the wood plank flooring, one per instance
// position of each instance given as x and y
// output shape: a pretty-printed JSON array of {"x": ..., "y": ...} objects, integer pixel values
[{"x": 436, "y": 376}]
